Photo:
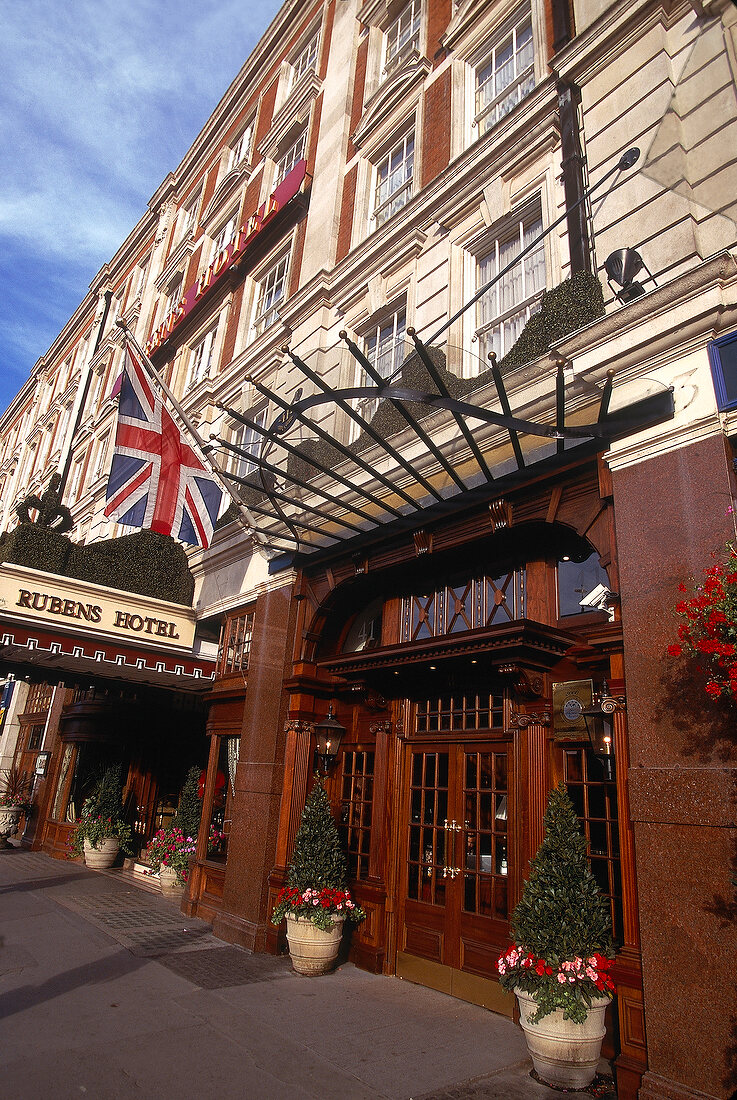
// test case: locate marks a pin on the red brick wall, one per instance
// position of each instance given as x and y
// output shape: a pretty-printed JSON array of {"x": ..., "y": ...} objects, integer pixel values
[
  {"x": 265, "y": 113},
  {"x": 436, "y": 129},
  {"x": 327, "y": 34},
  {"x": 359, "y": 84},
  {"x": 346, "y": 214},
  {"x": 438, "y": 19},
  {"x": 299, "y": 243},
  {"x": 191, "y": 273}
]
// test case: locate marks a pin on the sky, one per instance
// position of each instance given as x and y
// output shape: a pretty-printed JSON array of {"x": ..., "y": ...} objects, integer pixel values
[{"x": 98, "y": 102}]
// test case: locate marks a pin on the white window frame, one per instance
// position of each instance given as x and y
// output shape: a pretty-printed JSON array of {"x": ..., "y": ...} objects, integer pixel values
[
  {"x": 240, "y": 150},
  {"x": 387, "y": 203},
  {"x": 188, "y": 217},
  {"x": 224, "y": 235},
  {"x": 295, "y": 153},
  {"x": 384, "y": 347},
  {"x": 306, "y": 59},
  {"x": 202, "y": 357},
  {"x": 248, "y": 440},
  {"x": 507, "y": 66},
  {"x": 271, "y": 292},
  {"x": 75, "y": 480},
  {"x": 505, "y": 309},
  {"x": 101, "y": 454},
  {"x": 142, "y": 270},
  {"x": 402, "y": 36}
]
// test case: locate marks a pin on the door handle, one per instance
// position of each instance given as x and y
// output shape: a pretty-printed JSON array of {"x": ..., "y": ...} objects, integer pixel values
[{"x": 450, "y": 827}]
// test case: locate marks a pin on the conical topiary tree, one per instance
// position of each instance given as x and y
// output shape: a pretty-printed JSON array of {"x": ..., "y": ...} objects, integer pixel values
[
  {"x": 318, "y": 858},
  {"x": 316, "y": 883},
  {"x": 561, "y": 925},
  {"x": 189, "y": 812}
]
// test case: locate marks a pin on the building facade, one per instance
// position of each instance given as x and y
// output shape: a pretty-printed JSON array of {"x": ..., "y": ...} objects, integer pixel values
[{"x": 446, "y": 521}]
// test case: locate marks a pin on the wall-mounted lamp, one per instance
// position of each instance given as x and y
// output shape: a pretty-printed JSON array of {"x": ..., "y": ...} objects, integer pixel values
[
  {"x": 600, "y": 728},
  {"x": 328, "y": 736},
  {"x": 621, "y": 267}
]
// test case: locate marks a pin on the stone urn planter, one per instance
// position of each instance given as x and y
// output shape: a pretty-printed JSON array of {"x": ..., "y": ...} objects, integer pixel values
[
  {"x": 104, "y": 855},
  {"x": 170, "y": 885},
  {"x": 312, "y": 950},
  {"x": 9, "y": 818},
  {"x": 564, "y": 1053}
]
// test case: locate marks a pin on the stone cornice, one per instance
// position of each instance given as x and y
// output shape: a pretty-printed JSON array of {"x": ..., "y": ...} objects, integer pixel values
[
  {"x": 713, "y": 275},
  {"x": 398, "y": 89},
  {"x": 609, "y": 36},
  {"x": 295, "y": 111}
]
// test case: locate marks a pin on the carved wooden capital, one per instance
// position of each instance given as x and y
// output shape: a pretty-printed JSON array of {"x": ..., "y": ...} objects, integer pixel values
[{"x": 520, "y": 720}]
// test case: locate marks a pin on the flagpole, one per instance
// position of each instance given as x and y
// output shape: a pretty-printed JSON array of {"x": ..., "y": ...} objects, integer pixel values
[{"x": 245, "y": 516}]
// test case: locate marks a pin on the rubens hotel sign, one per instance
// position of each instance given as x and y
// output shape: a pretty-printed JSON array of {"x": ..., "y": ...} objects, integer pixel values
[
  {"x": 82, "y": 608},
  {"x": 230, "y": 255}
]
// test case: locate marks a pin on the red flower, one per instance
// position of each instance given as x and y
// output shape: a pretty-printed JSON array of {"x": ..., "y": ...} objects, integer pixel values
[
  {"x": 713, "y": 688},
  {"x": 675, "y": 650}
]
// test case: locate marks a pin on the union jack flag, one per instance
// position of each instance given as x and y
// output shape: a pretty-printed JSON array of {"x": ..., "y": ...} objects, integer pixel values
[{"x": 156, "y": 479}]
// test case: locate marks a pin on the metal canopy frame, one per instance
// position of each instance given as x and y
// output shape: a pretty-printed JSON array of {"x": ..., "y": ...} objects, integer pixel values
[
  {"x": 384, "y": 505},
  {"x": 364, "y": 515}
]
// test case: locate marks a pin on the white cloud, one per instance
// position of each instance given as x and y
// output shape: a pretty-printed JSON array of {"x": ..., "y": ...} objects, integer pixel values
[{"x": 98, "y": 102}]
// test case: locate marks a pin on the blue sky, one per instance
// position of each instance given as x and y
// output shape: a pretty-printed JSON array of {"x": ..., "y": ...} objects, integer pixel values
[{"x": 98, "y": 101}]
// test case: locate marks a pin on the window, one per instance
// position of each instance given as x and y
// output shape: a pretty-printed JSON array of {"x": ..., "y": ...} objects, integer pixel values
[
  {"x": 393, "y": 188},
  {"x": 505, "y": 75},
  {"x": 101, "y": 454},
  {"x": 306, "y": 59},
  {"x": 140, "y": 278},
  {"x": 355, "y": 810},
  {"x": 240, "y": 149},
  {"x": 403, "y": 35},
  {"x": 249, "y": 440},
  {"x": 188, "y": 218},
  {"x": 75, "y": 480},
  {"x": 225, "y": 235},
  {"x": 293, "y": 155},
  {"x": 723, "y": 360},
  {"x": 466, "y": 605},
  {"x": 235, "y": 644},
  {"x": 506, "y": 307},
  {"x": 595, "y": 802},
  {"x": 174, "y": 293},
  {"x": 384, "y": 349},
  {"x": 203, "y": 356},
  {"x": 576, "y": 580},
  {"x": 272, "y": 289}
]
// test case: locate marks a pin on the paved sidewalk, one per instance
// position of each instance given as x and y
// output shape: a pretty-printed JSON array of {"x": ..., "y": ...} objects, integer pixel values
[{"x": 108, "y": 992}]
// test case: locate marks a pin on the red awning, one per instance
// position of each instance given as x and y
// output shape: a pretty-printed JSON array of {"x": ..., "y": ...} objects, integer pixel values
[{"x": 71, "y": 658}]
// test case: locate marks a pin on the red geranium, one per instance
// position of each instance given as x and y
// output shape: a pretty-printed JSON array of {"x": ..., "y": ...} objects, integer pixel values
[{"x": 708, "y": 629}]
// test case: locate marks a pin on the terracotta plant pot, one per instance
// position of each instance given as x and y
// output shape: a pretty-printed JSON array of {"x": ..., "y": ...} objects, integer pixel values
[
  {"x": 104, "y": 855},
  {"x": 311, "y": 950},
  {"x": 564, "y": 1053},
  {"x": 9, "y": 818},
  {"x": 170, "y": 885}
]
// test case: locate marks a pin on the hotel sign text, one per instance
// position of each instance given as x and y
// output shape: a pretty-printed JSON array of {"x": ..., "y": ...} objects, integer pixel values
[
  {"x": 89, "y": 608},
  {"x": 229, "y": 255}
]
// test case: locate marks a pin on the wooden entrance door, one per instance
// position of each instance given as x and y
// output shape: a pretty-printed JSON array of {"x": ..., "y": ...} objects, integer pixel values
[{"x": 456, "y": 866}]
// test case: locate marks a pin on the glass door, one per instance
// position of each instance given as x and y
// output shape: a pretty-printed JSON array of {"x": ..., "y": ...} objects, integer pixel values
[{"x": 457, "y": 856}]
